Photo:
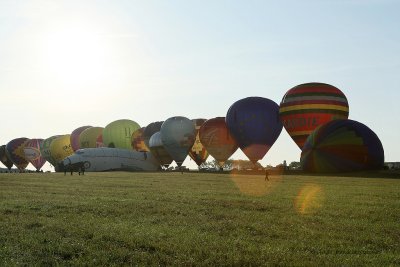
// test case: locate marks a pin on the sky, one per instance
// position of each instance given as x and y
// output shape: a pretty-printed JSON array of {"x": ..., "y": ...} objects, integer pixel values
[{"x": 65, "y": 64}]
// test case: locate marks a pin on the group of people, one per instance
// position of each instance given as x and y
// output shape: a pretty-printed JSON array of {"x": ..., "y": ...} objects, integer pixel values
[{"x": 79, "y": 167}]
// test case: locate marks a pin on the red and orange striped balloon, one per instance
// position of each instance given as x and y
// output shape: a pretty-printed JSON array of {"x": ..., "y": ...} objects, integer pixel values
[{"x": 307, "y": 106}]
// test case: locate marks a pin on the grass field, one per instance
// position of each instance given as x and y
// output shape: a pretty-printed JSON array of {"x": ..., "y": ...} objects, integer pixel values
[{"x": 121, "y": 218}]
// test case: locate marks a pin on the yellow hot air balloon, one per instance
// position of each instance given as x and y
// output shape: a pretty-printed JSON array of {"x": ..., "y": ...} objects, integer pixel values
[
  {"x": 61, "y": 148},
  {"x": 88, "y": 138},
  {"x": 118, "y": 134}
]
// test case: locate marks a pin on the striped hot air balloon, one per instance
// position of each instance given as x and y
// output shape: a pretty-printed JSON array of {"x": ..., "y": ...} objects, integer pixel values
[
  {"x": 309, "y": 105},
  {"x": 342, "y": 146}
]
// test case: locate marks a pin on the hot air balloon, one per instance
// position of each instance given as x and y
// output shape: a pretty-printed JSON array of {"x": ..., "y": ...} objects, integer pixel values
[
  {"x": 306, "y": 106},
  {"x": 88, "y": 138},
  {"x": 118, "y": 133},
  {"x": 177, "y": 135},
  {"x": 151, "y": 129},
  {"x": 138, "y": 141},
  {"x": 215, "y": 136},
  {"x": 15, "y": 151},
  {"x": 60, "y": 148},
  {"x": 75, "y": 144},
  {"x": 158, "y": 150},
  {"x": 342, "y": 146},
  {"x": 198, "y": 152},
  {"x": 4, "y": 157},
  {"x": 32, "y": 153},
  {"x": 46, "y": 152},
  {"x": 254, "y": 123}
]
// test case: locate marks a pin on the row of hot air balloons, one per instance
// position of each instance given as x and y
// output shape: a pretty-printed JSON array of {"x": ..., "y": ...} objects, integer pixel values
[{"x": 252, "y": 124}]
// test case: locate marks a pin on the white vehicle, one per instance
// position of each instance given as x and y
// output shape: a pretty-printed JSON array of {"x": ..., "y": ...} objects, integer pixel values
[{"x": 108, "y": 159}]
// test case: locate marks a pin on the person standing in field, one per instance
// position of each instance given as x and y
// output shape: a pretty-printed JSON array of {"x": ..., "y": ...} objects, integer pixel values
[{"x": 266, "y": 175}]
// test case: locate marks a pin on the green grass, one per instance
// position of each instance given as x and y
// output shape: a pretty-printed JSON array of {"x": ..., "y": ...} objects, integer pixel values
[{"x": 121, "y": 218}]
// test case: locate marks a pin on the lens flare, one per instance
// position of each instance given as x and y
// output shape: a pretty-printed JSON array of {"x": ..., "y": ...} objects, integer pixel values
[{"x": 309, "y": 200}]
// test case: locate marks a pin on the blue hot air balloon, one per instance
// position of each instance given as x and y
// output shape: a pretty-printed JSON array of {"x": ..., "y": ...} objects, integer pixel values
[{"x": 254, "y": 123}]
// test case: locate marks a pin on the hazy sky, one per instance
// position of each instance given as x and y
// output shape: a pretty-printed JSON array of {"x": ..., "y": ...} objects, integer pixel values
[{"x": 64, "y": 64}]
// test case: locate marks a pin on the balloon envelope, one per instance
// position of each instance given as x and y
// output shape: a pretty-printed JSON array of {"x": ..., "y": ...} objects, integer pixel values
[
  {"x": 254, "y": 123},
  {"x": 32, "y": 153},
  {"x": 118, "y": 133},
  {"x": 215, "y": 136},
  {"x": 15, "y": 151},
  {"x": 151, "y": 129},
  {"x": 88, "y": 138},
  {"x": 158, "y": 150},
  {"x": 75, "y": 144},
  {"x": 138, "y": 141},
  {"x": 198, "y": 152},
  {"x": 60, "y": 148},
  {"x": 306, "y": 106},
  {"x": 177, "y": 135},
  {"x": 4, "y": 157},
  {"x": 46, "y": 152},
  {"x": 342, "y": 146}
]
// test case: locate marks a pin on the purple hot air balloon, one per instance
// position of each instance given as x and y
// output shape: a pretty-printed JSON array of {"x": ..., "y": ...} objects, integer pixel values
[
  {"x": 32, "y": 153},
  {"x": 254, "y": 123},
  {"x": 75, "y": 144},
  {"x": 15, "y": 151}
]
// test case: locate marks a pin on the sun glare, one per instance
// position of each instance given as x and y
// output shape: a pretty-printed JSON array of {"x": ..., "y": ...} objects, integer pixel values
[{"x": 75, "y": 54}]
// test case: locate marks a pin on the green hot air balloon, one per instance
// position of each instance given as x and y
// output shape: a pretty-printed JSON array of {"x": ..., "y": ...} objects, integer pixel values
[
  {"x": 88, "y": 138},
  {"x": 178, "y": 135},
  {"x": 46, "y": 152},
  {"x": 118, "y": 133},
  {"x": 4, "y": 158}
]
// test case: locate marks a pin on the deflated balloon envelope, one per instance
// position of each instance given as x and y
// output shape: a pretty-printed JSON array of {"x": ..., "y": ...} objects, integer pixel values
[
  {"x": 198, "y": 152},
  {"x": 4, "y": 157},
  {"x": 75, "y": 144},
  {"x": 15, "y": 151},
  {"x": 177, "y": 135},
  {"x": 158, "y": 150},
  {"x": 215, "y": 136},
  {"x": 32, "y": 153},
  {"x": 306, "y": 106},
  {"x": 118, "y": 133},
  {"x": 342, "y": 146},
  {"x": 254, "y": 123}
]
